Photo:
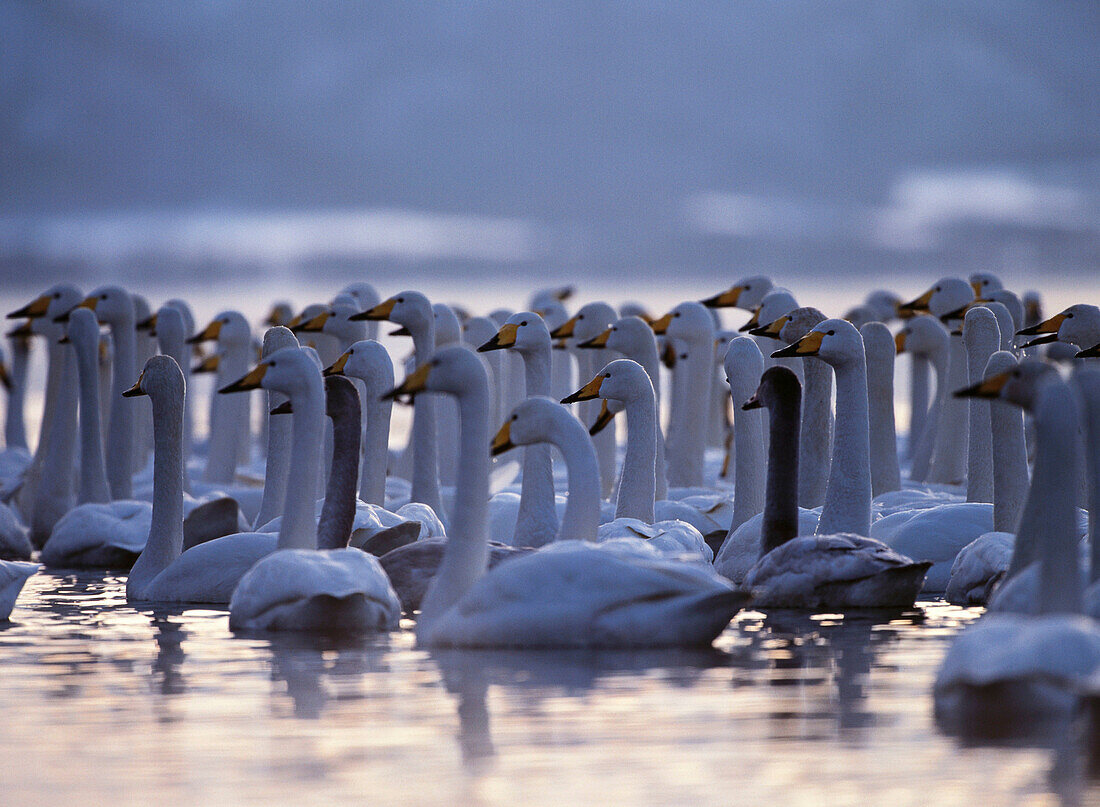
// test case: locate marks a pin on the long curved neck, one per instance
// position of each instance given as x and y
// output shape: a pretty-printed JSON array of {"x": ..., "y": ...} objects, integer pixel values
[
  {"x": 847, "y": 505},
  {"x": 604, "y": 442},
  {"x": 176, "y": 347},
  {"x": 93, "y": 469},
  {"x": 926, "y": 441},
  {"x": 949, "y": 454},
  {"x": 425, "y": 481},
  {"x": 165, "y": 542},
  {"x": 55, "y": 381},
  {"x": 537, "y": 519},
  {"x": 780, "y": 523},
  {"x": 816, "y": 434},
  {"x": 277, "y": 467},
  {"x": 15, "y": 429},
  {"x": 698, "y": 377},
  {"x": 120, "y": 433},
  {"x": 582, "y": 512},
  {"x": 918, "y": 401},
  {"x": 299, "y": 526},
  {"x": 467, "y": 552},
  {"x": 376, "y": 441},
  {"x": 229, "y": 418},
  {"x": 54, "y": 495},
  {"x": 1054, "y": 488},
  {"x": 638, "y": 484},
  {"x": 979, "y": 453},
  {"x": 885, "y": 473},
  {"x": 338, "y": 511},
  {"x": 1088, "y": 382},
  {"x": 1009, "y": 449}
]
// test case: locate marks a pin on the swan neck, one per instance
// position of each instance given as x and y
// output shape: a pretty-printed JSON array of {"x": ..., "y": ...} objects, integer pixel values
[
  {"x": 639, "y": 480},
  {"x": 120, "y": 433},
  {"x": 299, "y": 526},
  {"x": 93, "y": 469},
  {"x": 338, "y": 510},
  {"x": 847, "y": 505},
  {"x": 582, "y": 511},
  {"x": 376, "y": 441},
  {"x": 780, "y": 522}
]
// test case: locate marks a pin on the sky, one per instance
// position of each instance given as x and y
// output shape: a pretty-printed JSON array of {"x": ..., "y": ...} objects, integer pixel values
[{"x": 217, "y": 138}]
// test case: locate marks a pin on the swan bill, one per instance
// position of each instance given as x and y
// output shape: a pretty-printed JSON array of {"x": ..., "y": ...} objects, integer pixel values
[
  {"x": 919, "y": 304},
  {"x": 147, "y": 324},
  {"x": 660, "y": 326},
  {"x": 5, "y": 376},
  {"x": 1051, "y": 325},
  {"x": 207, "y": 334},
  {"x": 135, "y": 390},
  {"x": 1088, "y": 353},
  {"x": 32, "y": 310},
  {"x": 565, "y": 330},
  {"x": 668, "y": 355},
  {"x": 313, "y": 325},
  {"x": 337, "y": 367},
  {"x": 587, "y": 392},
  {"x": 808, "y": 345},
  {"x": 21, "y": 331},
  {"x": 284, "y": 408},
  {"x": 899, "y": 341},
  {"x": 251, "y": 381},
  {"x": 417, "y": 382},
  {"x": 772, "y": 329},
  {"x": 209, "y": 364},
  {"x": 561, "y": 344},
  {"x": 986, "y": 388},
  {"x": 502, "y": 440},
  {"x": 753, "y": 403},
  {"x": 604, "y": 418},
  {"x": 502, "y": 339},
  {"x": 601, "y": 339},
  {"x": 381, "y": 311},
  {"x": 402, "y": 331},
  {"x": 727, "y": 299},
  {"x": 1046, "y": 339},
  {"x": 753, "y": 323}
]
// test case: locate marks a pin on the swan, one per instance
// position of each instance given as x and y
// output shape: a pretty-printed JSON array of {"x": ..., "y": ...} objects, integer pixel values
[
  {"x": 880, "y": 351},
  {"x": 412, "y": 311},
  {"x": 747, "y": 293},
  {"x": 1021, "y": 665},
  {"x": 690, "y": 323},
  {"x": 589, "y": 322},
  {"x": 981, "y": 564},
  {"x": 570, "y": 593},
  {"x": 923, "y": 336},
  {"x": 1077, "y": 325},
  {"x": 13, "y": 575},
  {"x": 817, "y": 423},
  {"x": 172, "y": 326},
  {"x": 776, "y": 303},
  {"x": 982, "y": 337},
  {"x": 331, "y": 588},
  {"x": 948, "y": 299},
  {"x": 476, "y": 332},
  {"x": 229, "y": 415},
  {"x": 46, "y": 493},
  {"x": 554, "y": 314},
  {"x": 634, "y": 338},
  {"x": 815, "y": 572},
  {"x": 536, "y": 523},
  {"x": 15, "y": 429},
  {"x": 625, "y": 381}
]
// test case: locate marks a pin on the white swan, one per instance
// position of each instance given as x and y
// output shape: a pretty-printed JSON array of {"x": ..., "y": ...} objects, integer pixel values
[
  {"x": 13, "y": 575},
  {"x": 571, "y": 593},
  {"x": 1008, "y": 664},
  {"x": 815, "y": 572},
  {"x": 1077, "y": 325},
  {"x": 330, "y": 588},
  {"x": 880, "y": 348}
]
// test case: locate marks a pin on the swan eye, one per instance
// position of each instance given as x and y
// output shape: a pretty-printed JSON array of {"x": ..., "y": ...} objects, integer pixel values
[
  {"x": 271, "y": 364},
  {"x": 580, "y": 316},
  {"x": 830, "y": 333},
  {"x": 607, "y": 375},
  {"x": 523, "y": 323},
  {"x": 1015, "y": 373},
  {"x": 936, "y": 289},
  {"x": 676, "y": 314},
  {"x": 400, "y": 299},
  {"x": 1069, "y": 315},
  {"x": 515, "y": 417},
  {"x": 56, "y": 295}
]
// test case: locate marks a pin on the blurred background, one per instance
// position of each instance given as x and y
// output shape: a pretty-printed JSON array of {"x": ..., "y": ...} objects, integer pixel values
[{"x": 233, "y": 144}]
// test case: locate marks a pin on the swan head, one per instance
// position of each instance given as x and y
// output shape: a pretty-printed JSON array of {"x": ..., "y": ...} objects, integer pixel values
[
  {"x": 746, "y": 293},
  {"x": 776, "y": 303},
  {"x": 633, "y": 309},
  {"x": 590, "y": 321},
  {"x": 885, "y": 304},
  {"x": 53, "y": 302},
  {"x": 984, "y": 284},
  {"x": 525, "y": 332},
  {"x": 111, "y": 304},
  {"x": 743, "y": 363},
  {"x": 448, "y": 328},
  {"x": 281, "y": 313},
  {"x": 454, "y": 369},
  {"x": 861, "y": 315},
  {"x": 160, "y": 378},
  {"x": 364, "y": 294},
  {"x": 334, "y": 319},
  {"x": 549, "y": 297},
  {"x": 410, "y": 309},
  {"x": 1077, "y": 325},
  {"x": 688, "y": 322},
  {"x": 368, "y": 361},
  {"x": 922, "y": 335},
  {"x": 227, "y": 328},
  {"x": 476, "y": 331},
  {"x": 537, "y": 420},
  {"x": 834, "y": 341},
  {"x": 1020, "y": 385},
  {"x": 169, "y": 326},
  {"x": 629, "y": 335},
  {"x": 1011, "y": 301},
  {"x": 778, "y": 386},
  {"x": 981, "y": 324},
  {"x": 291, "y": 370},
  {"x": 947, "y": 298},
  {"x": 622, "y": 380},
  {"x": 792, "y": 326}
]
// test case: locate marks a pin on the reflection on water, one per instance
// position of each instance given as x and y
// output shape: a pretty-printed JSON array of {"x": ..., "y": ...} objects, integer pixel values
[{"x": 103, "y": 703}]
